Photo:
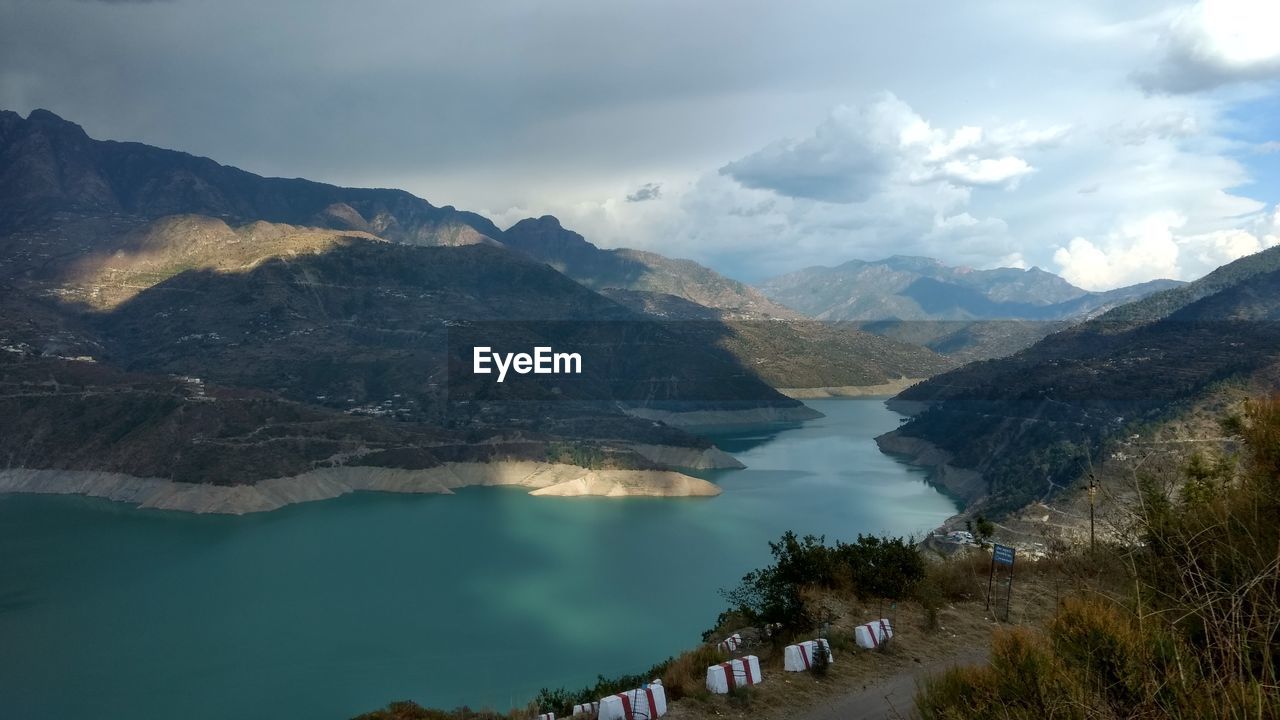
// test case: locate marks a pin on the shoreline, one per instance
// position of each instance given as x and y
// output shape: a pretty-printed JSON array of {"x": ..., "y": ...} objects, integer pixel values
[
  {"x": 694, "y": 420},
  {"x": 893, "y": 387},
  {"x": 966, "y": 487},
  {"x": 541, "y": 478}
]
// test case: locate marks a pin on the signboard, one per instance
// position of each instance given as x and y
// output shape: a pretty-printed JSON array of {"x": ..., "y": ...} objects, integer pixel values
[{"x": 1003, "y": 554}]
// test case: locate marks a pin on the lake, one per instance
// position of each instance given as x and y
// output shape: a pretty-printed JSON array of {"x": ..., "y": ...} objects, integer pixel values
[{"x": 329, "y": 609}]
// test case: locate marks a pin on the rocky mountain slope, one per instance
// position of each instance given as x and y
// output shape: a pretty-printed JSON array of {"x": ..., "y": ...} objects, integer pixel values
[
  {"x": 49, "y": 165},
  {"x": 1017, "y": 429},
  {"x": 797, "y": 355},
  {"x": 783, "y": 347},
  {"x": 567, "y": 251}
]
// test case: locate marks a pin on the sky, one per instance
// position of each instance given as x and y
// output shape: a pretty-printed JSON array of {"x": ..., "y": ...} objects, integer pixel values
[{"x": 1109, "y": 142}]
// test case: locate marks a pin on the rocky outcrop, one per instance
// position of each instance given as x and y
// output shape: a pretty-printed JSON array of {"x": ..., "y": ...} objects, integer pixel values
[
  {"x": 326, "y": 483},
  {"x": 712, "y": 458}
]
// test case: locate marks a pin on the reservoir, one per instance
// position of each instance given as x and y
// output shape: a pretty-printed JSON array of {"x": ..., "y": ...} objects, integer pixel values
[{"x": 329, "y": 609}]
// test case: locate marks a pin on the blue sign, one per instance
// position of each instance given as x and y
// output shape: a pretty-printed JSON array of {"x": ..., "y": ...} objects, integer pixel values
[{"x": 1003, "y": 554}]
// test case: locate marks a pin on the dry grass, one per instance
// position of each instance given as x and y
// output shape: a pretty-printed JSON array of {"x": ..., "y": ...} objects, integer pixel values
[{"x": 963, "y": 631}]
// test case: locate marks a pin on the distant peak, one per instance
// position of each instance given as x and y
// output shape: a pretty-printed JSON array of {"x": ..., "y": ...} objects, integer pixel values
[
  {"x": 40, "y": 115},
  {"x": 544, "y": 223},
  {"x": 48, "y": 118}
]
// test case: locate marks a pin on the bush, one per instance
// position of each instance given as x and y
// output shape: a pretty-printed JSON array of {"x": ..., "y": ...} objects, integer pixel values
[
  {"x": 873, "y": 566},
  {"x": 1024, "y": 681}
]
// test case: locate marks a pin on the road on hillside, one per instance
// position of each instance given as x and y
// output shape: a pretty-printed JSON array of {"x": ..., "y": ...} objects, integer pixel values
[{"x": 889, "y": 699}]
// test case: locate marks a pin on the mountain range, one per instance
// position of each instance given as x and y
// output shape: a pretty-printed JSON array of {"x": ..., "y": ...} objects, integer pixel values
[
  {"x": 969, "y": 314},
  {"x": 188, "y": 306},
  {"x": 162, "y": 315}
]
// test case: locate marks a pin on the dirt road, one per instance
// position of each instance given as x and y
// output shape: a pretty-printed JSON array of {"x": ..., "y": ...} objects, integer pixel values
[{"x": 889, "y": 699}]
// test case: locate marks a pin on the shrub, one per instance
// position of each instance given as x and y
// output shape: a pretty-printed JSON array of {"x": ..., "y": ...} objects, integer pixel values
[
  {"x": 875, "y": 567},
  {"x": 1023, "y": 682},
  {"x": 821, "y": 662},
  {"x": 1197, "y": 636}
]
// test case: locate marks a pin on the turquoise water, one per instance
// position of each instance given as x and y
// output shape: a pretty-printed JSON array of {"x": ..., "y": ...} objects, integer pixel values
[{"x": 328, "y": 609}]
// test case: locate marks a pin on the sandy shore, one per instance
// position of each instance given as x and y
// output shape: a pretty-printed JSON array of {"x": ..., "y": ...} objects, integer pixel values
[
  {"x": 541, "y": 478},
  {"x": 892, "y": 387}
]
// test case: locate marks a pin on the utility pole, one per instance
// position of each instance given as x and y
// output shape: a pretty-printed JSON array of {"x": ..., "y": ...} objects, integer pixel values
[{"x": 1093, "y": 490}]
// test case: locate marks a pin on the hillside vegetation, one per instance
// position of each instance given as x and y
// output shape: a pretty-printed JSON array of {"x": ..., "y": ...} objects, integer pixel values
[
  {"x": 1192, "y": 633},
  {"x": 1036, "y": 422}
]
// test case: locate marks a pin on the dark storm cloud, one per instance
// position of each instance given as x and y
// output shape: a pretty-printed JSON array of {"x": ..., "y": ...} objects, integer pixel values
[
  {"x": 1204, "y": 47},
  {"x": 387, "y": 89},
  {"x": 648, "y": 191}
]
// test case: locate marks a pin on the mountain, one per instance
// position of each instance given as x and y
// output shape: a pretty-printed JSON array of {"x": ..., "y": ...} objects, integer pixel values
[
  {"x": 546, "y": 240},
  {"x": 808, "y": 358},
  {"x": 969, "y": 314},
  {"x": 49, "y": 165},
  {"x": 1026, "y": 426},
  {"x": 786, "y": 349},
  {"x": 157, "y": 305}
]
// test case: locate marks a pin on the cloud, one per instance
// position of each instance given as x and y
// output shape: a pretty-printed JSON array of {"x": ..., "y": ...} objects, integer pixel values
[
  {"x": 1154, "y": 247},
  {"x": 1215, "y": 43},
  {"x": 846, "y": 159},
  {"x": 1136, "y": 252},
  {"x": 858, "y": 151},
  {"x": 648, "y": 191},
  {"x": 764, "y": 121},
  {"x": 1173, "y": 126}
]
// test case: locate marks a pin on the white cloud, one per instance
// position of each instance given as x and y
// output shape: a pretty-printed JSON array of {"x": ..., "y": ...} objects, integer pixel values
[
  {"x": 983, "y": 171},
  {"x": 856, "y": 152},
  {"x": 1138, "y": 251},
  {"x": 1222, "y": 246},
  {"x": 1217, "y": 42},
  {"x": 1154, "y": 247}
]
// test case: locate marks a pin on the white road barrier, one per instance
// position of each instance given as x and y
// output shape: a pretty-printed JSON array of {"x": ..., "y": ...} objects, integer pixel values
[
  {"x": 736, "y": 673},
  {"x": 873, "y": 634},
  {"x": 800, "y": 657},
  {"x": 644, "y": 703},
  {"x": 731, "y": 643}
]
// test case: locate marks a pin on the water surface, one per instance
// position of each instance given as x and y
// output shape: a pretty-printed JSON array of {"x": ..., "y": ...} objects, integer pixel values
[{"x": 328, "y": 609}]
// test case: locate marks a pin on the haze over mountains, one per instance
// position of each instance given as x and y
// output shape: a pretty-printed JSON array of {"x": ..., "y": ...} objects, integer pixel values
[{"x": 968, "y": 313}]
